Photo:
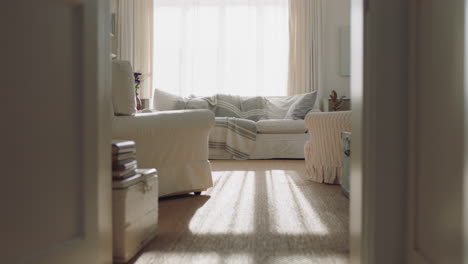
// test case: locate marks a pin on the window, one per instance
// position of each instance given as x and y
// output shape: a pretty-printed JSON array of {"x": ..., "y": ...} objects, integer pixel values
[{"x": 204, "y": 47}]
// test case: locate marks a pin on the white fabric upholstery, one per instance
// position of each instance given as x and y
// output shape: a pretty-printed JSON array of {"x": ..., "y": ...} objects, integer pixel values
[
  {"x": 275, "y": 107},
  {"x": 280, "y": 146},
  {"x": 173, "y": 142},
  {"x": 286, "y": 136},
  {"x": 271, "y": 146},
  {"x": 302, "y": 106},
  {"x": 278, "y": 106},
  {"x": 323, "y": 151},
  {"x": 281, "y": 126},
  {"x": 123, "y": 88},
  {"x": 164, "y": 101}
]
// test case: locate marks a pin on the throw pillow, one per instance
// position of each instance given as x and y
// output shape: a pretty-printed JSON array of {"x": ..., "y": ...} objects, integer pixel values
[
  {"x": 278, "y": 106},
  {"x": 302, "y": 106},
  {"x": 164, "y": 101},
  {"x": 123, "y": 88}
]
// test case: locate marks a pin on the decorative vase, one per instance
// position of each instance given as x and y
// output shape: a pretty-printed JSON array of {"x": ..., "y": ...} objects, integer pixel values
[{"x": 139, "y": 106}]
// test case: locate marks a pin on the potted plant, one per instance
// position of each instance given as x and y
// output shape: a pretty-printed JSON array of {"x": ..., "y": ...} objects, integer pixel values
[{"x": 335, "y": 103}]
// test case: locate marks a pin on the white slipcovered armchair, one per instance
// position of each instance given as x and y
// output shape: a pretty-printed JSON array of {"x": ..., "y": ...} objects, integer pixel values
[
  {"x": 173, "y": 142},
  {"x": 324, "y": 150}
]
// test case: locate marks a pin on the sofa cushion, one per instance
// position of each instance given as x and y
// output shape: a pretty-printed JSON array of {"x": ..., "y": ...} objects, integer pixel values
[
  {"x": 302, "y": 106},
  {"x": 123, "y": 88},
  {"x": 281, "y": 126}
]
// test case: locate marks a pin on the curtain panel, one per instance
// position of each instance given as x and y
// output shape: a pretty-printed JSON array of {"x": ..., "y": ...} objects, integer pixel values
[
  {"x": 306, "y": 36},
  {"x": 135, "y": 39}
]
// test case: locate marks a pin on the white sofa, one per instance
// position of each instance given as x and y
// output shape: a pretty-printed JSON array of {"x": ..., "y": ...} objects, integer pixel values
[
  {"x": 277, "y": 136},
  {"x": 173, "y": 142},
  {"x": 276, "y": 139}
]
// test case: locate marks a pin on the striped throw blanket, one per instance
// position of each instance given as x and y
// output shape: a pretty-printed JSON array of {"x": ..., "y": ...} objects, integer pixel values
[
  {"x": 235, "y": 128},
  {"x": 252, "y": 108},
  {"x": 237, "y": 136}
]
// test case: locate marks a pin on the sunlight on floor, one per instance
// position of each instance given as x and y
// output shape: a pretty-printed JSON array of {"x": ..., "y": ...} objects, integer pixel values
[
  {"x": 291, "y": 213},
  {"x": 256, "y": 212},
  {"x": 173, "y": 258},
  {"x": 236, "y": 258},
  {"x": 199, "y": 258},
  {"x": 302, "y": 259},
  {"x": 232, "y": 212}
]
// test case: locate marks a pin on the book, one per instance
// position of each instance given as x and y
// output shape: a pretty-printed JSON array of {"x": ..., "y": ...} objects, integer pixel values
[
  {"x": 124, "y": 173},
  {"x": 123, "y": 156},
  {"x": 124, "y": 165},
  {"x": 122, "y": 162},
  {"x": 146, "y": 172},
  {"x": 123, "y": 146},
  {"x": 142, "y": 175}
]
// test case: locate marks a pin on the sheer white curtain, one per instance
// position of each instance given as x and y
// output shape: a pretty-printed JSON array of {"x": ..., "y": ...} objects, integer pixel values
[
  {"x": 306, "y": 36},
  {"x": 204, "y": 47},
  {"x": 135, "y": 39}
]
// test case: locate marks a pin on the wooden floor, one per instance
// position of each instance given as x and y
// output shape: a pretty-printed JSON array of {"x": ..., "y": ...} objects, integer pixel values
[{"x": 257, "y": 212}]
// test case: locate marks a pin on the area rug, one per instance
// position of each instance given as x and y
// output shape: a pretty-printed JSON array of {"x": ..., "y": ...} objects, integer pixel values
[{"x": 257, "y": 212}]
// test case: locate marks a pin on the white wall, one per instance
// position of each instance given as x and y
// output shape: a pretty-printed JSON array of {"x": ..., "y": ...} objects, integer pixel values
[{"x": 337, "y": 16}]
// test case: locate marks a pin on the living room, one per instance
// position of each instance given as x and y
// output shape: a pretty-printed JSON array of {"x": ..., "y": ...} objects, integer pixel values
[
  {"x": 226, "y": 175},
  {"x": 229, "y": 94}
]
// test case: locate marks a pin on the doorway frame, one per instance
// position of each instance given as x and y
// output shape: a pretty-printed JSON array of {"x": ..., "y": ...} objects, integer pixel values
[{"x": 379, "y": 92}]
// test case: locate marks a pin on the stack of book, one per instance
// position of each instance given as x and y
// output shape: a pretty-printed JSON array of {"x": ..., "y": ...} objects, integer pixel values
[{"x": 124, "y": 162}]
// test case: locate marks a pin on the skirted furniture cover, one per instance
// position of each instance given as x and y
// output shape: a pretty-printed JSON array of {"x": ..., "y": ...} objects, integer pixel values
[
  {"x": 252, "y": 127},
  {"x": 323, "y": 152},
  {"x": 173, "y": 142}
]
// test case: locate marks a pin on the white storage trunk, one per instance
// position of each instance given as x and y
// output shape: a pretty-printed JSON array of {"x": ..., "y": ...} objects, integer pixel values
[{"x": 135, "y": 213}]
